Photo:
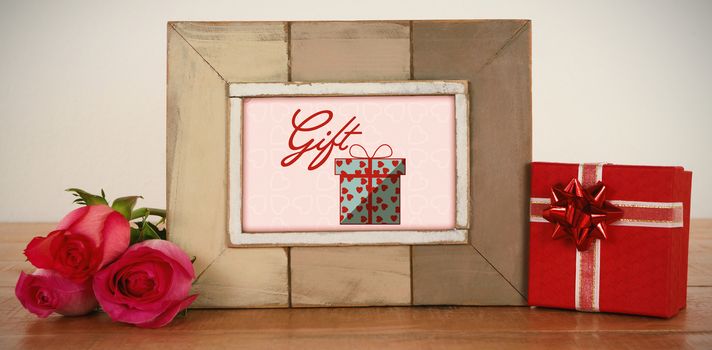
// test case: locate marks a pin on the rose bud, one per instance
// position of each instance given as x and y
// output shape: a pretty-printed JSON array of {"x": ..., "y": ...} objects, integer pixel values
[
  {"x": 87, "y": 239},
  {"x": 44, "y": 292},
  {"x": 148, "y": 285}
]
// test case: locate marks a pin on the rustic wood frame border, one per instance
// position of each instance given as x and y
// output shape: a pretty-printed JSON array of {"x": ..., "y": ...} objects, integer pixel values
[
  {"x": 457, "y": 235},
  {"x": 494, "y": 56}
]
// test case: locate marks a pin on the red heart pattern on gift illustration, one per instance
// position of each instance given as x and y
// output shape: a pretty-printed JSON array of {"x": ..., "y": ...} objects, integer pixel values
[{"x": 370, "y": 188}]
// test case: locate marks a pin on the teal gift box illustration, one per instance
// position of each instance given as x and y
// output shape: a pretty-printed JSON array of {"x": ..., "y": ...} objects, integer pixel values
[{"x": 370, "y": 187}]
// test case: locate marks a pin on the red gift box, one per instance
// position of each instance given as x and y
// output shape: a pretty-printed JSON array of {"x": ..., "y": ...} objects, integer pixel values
[{"x": 631, "y": 255}]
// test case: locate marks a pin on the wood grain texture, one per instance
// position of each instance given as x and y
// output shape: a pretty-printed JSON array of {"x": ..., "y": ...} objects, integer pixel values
[
  {"x": 251, "y": 277},
  {"x": 350, "y": 276},
  {"x": 240, "y": 51},
  {"x": 196, "y": 176},
  {"x": 494, "y": 56},
  {"x": 459, "y": 49},
  {"x": 503, "y": 136},
  {"x": 700, "y": 258},
  {"x": 197, "y": 112},
  {"x": 367, "y": 328},
  {"x": 458, "y": 275},
  {"x": 350, "y": 51}
]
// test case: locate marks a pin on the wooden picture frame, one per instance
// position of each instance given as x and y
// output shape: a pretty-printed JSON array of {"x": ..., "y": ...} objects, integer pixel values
[{"x": 493, "y": 56}]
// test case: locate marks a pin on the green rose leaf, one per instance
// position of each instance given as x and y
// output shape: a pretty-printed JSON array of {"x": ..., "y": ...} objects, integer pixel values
[
  {"x": 160, "y": 232},
  {"x": 135, "y": 236},
  {"x": 125, "y": 205},
  {"x": 149, "y": 232},
  {"x": 144, "y": 232},
  {"x": 86, "y": 198},
  {"x": 141, "y": 212}
]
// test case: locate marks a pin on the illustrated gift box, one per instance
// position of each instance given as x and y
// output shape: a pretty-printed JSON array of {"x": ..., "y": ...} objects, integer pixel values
[
  {"x": 610, "y": 238},
  {"x": 370, "y": 188}
]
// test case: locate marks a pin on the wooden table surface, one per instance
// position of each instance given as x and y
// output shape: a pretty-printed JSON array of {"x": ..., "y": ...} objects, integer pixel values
[{"x": 363, "y": 328}]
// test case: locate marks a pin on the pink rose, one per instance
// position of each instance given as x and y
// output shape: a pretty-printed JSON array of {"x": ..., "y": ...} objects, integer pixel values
[
  {"x": 86, "y": 240},
  {"x": 148, "y": 285},
  {"x": 45, "y": 291}
]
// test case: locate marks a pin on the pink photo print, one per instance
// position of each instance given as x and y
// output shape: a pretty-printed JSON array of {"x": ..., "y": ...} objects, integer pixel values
[{"x": 348, "y": 163}]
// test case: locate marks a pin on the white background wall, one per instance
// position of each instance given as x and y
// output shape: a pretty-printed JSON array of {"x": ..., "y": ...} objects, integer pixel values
[{"x": 82, "y": 86}]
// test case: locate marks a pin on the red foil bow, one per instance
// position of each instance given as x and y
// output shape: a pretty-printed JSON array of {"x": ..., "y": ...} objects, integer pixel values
[{"x": 581, "y": 214}]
